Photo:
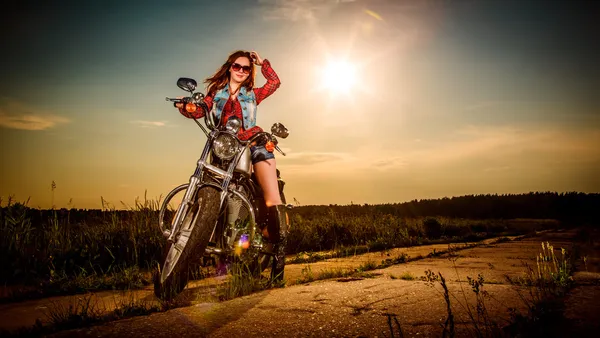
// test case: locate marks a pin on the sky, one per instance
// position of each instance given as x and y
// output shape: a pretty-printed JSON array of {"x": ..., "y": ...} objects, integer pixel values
[{"x": 386, "y": 101}]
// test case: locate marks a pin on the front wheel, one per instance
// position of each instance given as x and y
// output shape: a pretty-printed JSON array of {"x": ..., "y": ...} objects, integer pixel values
[{"x": 191, "y": 241}]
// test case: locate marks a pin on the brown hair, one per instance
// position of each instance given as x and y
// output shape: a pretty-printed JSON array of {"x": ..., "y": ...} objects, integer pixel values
[{"x": 221, "y": 77}]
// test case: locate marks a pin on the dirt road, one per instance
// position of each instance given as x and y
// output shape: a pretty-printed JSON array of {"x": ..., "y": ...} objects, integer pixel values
[
  {"x": 25, "y": 314},
  {"x": 362, "y": 307},
  {"x": 368, "y": 307}
]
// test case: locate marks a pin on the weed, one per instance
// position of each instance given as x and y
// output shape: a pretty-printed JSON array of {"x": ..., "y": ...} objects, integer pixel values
[
  {"x": 431, "y": 278},
  {"x": 334, "y": 273},
  {"x": 369, "y": 265},
  {"x": 479, "y": 319},
  {"x": 546, "y": 286},
  {"x": 407, "y": 276},
  {"x": 308, "y": 257},
  {"x": 241, "y": 282},
  {"x": 83, "y": 312},
  {"x": 364, "y": 274},
  {"x": 307, "y": 275}
]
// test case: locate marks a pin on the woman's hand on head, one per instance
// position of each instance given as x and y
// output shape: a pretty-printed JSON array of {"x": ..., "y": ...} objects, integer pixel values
[{"x": 257, "y": 59}]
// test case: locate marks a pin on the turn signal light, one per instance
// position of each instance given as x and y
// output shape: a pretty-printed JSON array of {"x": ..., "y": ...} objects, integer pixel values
[
  {"x": 270, "y": 146},
  {"x": 190, "y": 107}
]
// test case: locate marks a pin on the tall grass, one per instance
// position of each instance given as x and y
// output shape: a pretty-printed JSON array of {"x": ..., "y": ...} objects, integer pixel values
[
  {"x": 551, "y": 269},
  {"x": 70, "y": 250},
  {"x": 544, "y": 287},
  {"x": 374, "y": 232},
  {"x": 53, "y": 247}
]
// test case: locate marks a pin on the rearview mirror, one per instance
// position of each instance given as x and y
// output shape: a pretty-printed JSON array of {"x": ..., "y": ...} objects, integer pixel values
[
  {"x": 187, "y": 84},
  {"x": 279, "y": 130}
]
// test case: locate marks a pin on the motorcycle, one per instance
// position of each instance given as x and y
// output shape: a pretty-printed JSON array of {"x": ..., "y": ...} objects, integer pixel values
[{"x": 222, "y": 212}]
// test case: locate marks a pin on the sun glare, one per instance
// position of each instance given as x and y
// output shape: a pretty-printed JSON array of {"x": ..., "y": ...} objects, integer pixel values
[{"x": 339, "y": 77}]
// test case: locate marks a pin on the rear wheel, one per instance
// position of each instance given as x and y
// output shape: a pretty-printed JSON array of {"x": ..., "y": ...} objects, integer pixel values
[{"x": 191, "y": 242}]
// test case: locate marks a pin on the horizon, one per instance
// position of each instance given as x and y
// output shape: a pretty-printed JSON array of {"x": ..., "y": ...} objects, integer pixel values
[
  {"x": 106, "y": 205},
  {"x": 440, "y": 98}
]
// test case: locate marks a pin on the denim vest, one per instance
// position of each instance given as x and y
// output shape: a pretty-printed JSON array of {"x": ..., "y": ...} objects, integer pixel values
[{"x": 247, "y": 101}]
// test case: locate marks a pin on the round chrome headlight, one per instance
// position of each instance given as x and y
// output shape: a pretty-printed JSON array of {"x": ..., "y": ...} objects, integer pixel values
[{"x": 224, "y": 146}]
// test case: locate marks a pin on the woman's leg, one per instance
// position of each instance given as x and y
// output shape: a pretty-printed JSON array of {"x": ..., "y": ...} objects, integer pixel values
[
  {"x": 278, "y": 222},
  {"x": 266, "y": 174}
]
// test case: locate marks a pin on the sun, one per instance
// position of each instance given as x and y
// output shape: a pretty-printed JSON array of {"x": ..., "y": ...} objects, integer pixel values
[{"x": 338, "y": 77}]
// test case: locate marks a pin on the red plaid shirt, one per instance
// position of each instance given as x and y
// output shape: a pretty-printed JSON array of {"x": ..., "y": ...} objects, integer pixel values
[{"x": 233, "y": 107}]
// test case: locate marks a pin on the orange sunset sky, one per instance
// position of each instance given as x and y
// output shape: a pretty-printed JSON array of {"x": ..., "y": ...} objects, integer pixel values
[{"x": 386, "y": 101}]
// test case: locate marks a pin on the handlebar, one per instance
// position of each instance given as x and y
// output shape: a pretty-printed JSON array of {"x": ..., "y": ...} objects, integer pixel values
[
  {"x": 200, "y": 104},
  {"x": 265, "y": 134}
]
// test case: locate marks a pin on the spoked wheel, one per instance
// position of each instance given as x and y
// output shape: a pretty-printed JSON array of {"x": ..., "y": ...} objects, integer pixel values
[{"x": 192, "y": 240}]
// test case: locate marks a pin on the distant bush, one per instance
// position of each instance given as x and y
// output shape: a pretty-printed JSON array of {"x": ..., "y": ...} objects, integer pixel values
[
  {"x": 455, "y": 230},
  {"x": 433, "y": 228}
]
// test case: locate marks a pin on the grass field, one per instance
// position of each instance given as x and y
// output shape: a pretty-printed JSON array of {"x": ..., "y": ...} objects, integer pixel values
[{"x": 50, "y": 252}]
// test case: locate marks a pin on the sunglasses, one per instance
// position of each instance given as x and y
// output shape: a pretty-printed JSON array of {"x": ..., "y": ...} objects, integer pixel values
[{"x": 245, "y": 69}]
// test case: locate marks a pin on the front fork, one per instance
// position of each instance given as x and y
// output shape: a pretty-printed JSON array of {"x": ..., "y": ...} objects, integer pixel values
[
  {"x": 185, "y": 205},
  {"x": 187, "y": 201},
  {"x": 192, "y": 187}
]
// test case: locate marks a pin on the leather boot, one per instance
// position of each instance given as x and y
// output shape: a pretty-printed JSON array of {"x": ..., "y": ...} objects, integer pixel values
[{"x": 278, "y": 227}]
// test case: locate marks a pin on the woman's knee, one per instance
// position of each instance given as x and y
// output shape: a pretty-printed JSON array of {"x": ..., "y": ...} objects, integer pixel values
[{"x": 267, "y": 178}]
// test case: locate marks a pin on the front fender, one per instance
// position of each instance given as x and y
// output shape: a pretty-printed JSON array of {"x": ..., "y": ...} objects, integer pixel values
[{"x": 165, "y": 205}]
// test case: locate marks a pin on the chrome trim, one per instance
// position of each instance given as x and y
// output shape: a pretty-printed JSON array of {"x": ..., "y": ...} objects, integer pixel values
[
  {"x": 251, "y": 210},
  {"x": 225, "y": 142},
  {"x": 186, "y": 202},
  {"x": 163, "y": 209},
  {"x": 245, "y": 200},
  {"x": 244, "y": 164},
  {"x": 211, "y": 250},
  {"x": 209, "y": 184},
  {"x": 220, "y": 172}
]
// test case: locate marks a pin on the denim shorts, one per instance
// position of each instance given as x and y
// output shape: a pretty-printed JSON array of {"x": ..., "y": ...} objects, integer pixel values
[{"x": 259, "y": 153}]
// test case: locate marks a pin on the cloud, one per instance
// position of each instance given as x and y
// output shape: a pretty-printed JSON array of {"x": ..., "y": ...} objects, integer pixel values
[
  {"x": 315, "y": 161},
  {"x": 149, "y": 124},
  {"x": 316, "y": 157},
  {"x": 394, "y": 162},
  {"x": 491, "y": 149},
  {"x": 296, "y": 10},
  {"x": 510, "y": 143},
  {"x": 15, "y": 115}
]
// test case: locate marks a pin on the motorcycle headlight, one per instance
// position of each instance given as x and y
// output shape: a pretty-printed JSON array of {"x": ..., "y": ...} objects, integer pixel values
[{"x": 224, "y": 146}]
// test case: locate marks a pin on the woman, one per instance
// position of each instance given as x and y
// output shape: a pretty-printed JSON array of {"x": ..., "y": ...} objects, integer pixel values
[{"x": 230, "y": 93}]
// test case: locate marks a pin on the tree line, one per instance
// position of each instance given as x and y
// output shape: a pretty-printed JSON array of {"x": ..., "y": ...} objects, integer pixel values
[{"x": 573, "y": 207}]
